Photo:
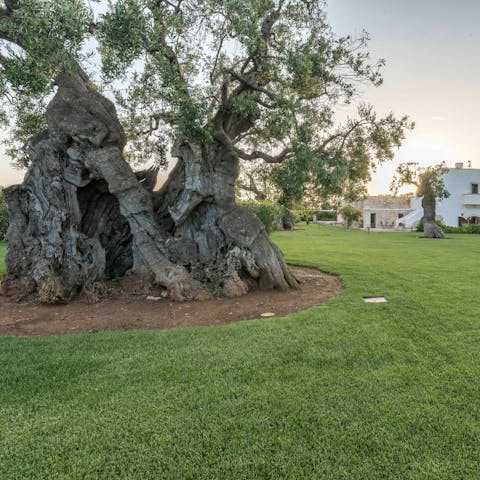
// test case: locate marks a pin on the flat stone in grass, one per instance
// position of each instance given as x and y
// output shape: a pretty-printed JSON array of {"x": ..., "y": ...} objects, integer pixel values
[{"x": 375, "y": 300}]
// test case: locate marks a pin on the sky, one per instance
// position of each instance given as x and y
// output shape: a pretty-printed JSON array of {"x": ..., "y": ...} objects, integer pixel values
[{"x": 432, "y": 75}]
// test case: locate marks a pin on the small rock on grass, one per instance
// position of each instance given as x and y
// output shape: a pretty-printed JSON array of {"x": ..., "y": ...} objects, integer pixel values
[{"x": 267, "y": 314}]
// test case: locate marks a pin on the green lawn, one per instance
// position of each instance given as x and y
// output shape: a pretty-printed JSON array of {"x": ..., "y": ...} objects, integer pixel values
[{"x": 346, "y": 391}]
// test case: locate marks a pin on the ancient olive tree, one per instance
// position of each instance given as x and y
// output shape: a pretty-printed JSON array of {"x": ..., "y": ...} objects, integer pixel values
[
  {"x": 430, "y": 186},
  {"x": 218, "y": 83}
]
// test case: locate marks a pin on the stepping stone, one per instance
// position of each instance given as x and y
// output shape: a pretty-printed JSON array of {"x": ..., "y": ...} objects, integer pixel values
[{"x": 375, "y": 300}]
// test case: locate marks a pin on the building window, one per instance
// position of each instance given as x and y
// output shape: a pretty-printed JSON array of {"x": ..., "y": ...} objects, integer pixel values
[
  {"x": 475, "y": 188},
  {"x": 400, "y": 215}
]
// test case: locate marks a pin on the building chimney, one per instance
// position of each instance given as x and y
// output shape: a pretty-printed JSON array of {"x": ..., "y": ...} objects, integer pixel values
[{"x": 459, "y": 165}]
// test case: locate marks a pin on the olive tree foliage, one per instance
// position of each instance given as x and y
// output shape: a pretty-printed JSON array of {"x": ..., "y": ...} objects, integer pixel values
[
  {"x": 341, "y": 166},
  {"x": 269, "y": 73},
  {"x": 38, "y": 39},
  {"x": 429, "y": 185}
]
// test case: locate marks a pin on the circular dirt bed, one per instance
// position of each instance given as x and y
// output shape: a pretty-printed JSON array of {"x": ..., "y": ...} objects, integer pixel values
[{"x": 128, "y": 312}]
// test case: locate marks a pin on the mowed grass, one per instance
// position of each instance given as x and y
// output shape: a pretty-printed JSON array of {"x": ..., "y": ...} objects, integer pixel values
[{"x": 345, "y": 391}]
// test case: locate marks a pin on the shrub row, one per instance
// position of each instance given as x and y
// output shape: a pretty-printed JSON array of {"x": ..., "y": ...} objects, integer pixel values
[
  {"x": 270, "y": 214},
  {"x": 467, "y": 228},
  {"x": 306, "y": 215}
]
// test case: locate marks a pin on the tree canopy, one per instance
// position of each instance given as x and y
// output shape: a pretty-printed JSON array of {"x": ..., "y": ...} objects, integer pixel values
[
  {"x": 38, "y": 40},
  {"x": 427, "y": 180},
  {"x": 268, "y": 74}
]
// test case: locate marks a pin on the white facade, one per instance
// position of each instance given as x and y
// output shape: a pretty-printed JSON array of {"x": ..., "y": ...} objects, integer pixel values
[
  {"x": 382, "y": 211},
  {"x": 464, "y": 201},
  {"x": 463, "y": 205},
  {"x": 386, "y": 212}
]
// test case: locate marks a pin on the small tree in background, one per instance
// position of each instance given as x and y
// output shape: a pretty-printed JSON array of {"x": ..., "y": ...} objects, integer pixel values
[
  {"x": 430, "y": 186},
  {"x": 350, "y": 214}
]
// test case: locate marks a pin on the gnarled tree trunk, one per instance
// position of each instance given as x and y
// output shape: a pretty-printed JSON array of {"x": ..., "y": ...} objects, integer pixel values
[
  {"x": 221, "y": 244},
  {"x": 430, "y": 228},
  {"x": 81, "y": 214}
]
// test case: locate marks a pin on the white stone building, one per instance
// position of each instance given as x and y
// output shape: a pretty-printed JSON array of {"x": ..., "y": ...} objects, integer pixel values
[
  {"x": 463, "y": 205},
  {"x": 382, "y": 211},
  {"x": 404, "y": 212}
]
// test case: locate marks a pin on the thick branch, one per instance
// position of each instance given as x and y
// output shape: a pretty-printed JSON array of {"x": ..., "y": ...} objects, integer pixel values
[
  {"x": 224, "y": 119},
  {"x": 167, "y": 50},
  {"x": 3, "y": 61},
  {"x": 18, "y": 39},
  {"x": 219, "y": 49},
  {"x": 11, "y": 4},
  {"x": 5, "y": 19},
  {"x": 251, "y": 84},
  {"x": 286, "y": 153},
  {"x": 266, "y": 30},
  {"x": 252, "y": 187},
  {"x": 155, "y": 119},
  {"x": 345, "y": 134},
  {"x": 269, "y": 22}
]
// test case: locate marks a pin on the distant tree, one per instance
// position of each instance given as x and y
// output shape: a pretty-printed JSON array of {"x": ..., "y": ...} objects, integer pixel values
[
  {"x": 430, "y": 186},
  {"x": 350, "y": 214}
]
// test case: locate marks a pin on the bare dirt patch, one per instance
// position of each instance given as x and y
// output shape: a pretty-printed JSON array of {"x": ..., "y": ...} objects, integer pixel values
[{"x": 129, "y": 312}]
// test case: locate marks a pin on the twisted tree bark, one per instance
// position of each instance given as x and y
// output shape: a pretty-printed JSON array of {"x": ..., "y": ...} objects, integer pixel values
[
  {"x": 222, "y": 244},
  {"x": 430, "y": 228},
  {"x": 82, "y": 214}
]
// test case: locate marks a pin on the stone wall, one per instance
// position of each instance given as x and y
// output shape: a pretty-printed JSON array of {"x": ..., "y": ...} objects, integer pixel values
[{"x": 386, "y": 208}]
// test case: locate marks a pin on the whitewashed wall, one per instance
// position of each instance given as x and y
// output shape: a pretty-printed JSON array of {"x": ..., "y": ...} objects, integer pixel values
[{"x": 458, "y": 182}]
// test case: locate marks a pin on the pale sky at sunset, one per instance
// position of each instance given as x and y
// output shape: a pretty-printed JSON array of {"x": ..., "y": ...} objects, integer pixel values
[{"x": 432, "y": 75}]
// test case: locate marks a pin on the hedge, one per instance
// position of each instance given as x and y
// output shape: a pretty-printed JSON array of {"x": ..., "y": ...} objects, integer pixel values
[{"x": 269, "y": 213}]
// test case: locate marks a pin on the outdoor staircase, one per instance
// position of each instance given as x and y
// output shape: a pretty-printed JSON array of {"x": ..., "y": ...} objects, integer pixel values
[{"x": 409, "y": 221}]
